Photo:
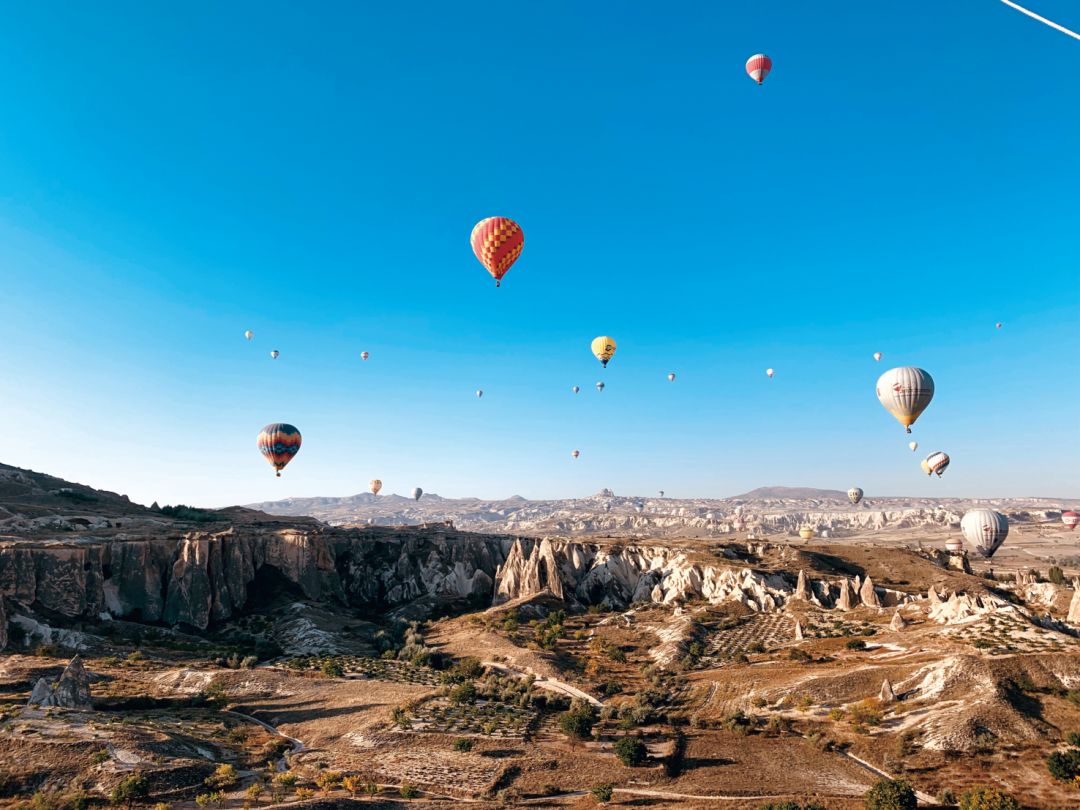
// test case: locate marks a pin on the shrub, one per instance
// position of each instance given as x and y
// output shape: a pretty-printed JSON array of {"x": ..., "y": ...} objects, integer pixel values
[
  {"x": 602, "y": 793},
  {"x": 223, "y": 778},
  {"x": 1064, "y": 765},
  {"x": 463, "y": 693},
  {"x": 130, "y": 789},
  {"x": 1056, "y": 575},
  {"x": 303, "y": 793},
  {"x": 332, "y": 669},
  {"x": 579, "y": 721},
  {"x": 856, "y": 644},
  {"x": 407, "y": 791},
  {"x": 631, "y": 751},
  {"x": 891, "y": 794},
  {"x": 675, "y": 761},
  {"x": 987, "y": 798},
  {"x": 254, "y": 791},
  {"x": 1073, "y": 738},
  {"x": 285, "y": 779},
  {"x": 463, "y": 744},
  {"x": 98, "y": 757},
  {"x": 328, "y": 780}
]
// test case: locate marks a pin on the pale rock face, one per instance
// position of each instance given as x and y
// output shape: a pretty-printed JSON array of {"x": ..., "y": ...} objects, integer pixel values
[
  {"x": 1074, "y": 606},
  {"x": 886, "y": 695},
  {"x": 798, "y": 631},
  {"x": 868, "y": 595},
  {"x": 898, "y": 622},
  {"x": 70, "y": 691},
  {"x": 801, "y": 589},
  {"x": 846, "y": 600}
]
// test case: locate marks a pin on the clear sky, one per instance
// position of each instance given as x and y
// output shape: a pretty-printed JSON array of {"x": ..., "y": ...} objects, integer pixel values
[{"x": 172, "y": 174}]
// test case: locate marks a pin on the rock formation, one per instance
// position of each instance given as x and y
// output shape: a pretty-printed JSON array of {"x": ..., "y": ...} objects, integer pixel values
[
  {"x": 867, "y": 594},
  {"x": 898, "y": 622},
  {"x": 846, "y": 599},
  {"x": 70, "y": 691},
  {"x": 1074, "y": 606},
  {"x": 801, "y": 590},
  {"x": 3, "y": 625},
  {"x": 886, "y": 695}
]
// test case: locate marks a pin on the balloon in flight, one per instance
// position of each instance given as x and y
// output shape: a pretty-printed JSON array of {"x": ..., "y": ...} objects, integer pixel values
[
  {"x": 279, "y": 443},
  {"x": 1070, "y": 519},
  {"x": 769, "y": 373},
  {"x": 364, "y": 355},
  {"x": 575, "y": 453},
  {"x": 416, "y": 493},
  {"x": 661, "y": 493},
  {"x": 806, "y": 533},
  {"x": 935, "y": 463},
  {"x": 671, "y": 377},
  {"x": 985, "y": 530},
  {"x": 375, "y": 485},
  {"x": 479, "y": 392},
  {"x": 575, "y": 389},
  {"x": 600, "y": 386},
  {"x": 877, "y": 356},
  {"x": 855, "y": 494},
  {"x": 758, "y": 67},
  {"x": 249, "y": 334},
  {"x": 913, "y": 446},
  {"x": 905, "y": 392},
  {"x": 274, "y": 354},
  {"x": 497, "y": 243},
  {"x": 604, "y": 349},
  {"x": 954, "y": 545},
  {"x": 998, "y": 325}
]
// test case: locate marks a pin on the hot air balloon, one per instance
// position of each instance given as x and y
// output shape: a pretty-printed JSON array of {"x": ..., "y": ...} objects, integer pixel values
[
  {"x": 998, "y": 325},
  {"x": 279, "y": 442},
  {"x": 375, "y": 485},
  {"x": 249, "y": 334},
  {"x": 985, "y": 530},
  {"x": 806, "y": 533},
  {"x": 416, "y": 493},
  {"x": 599, "y": 386},
  {"x": 769, "y": 373},
  {"x": 854, "y": 494},
  {"x": 479, "y": 392},
  {"x": 905, "y": 392},
  {"x": 1070, "y": 519},
  {"x": 639, "y": 507},
  {"x": 575, "y": 453},
  {"x": 877, "y": 356},
  {"x": 575, "y": 389},
  {"x": 274, "y": 354},
  {"x": 758, "y": 67},
  {"x": 913, "y": 446},
  {"x": 364, "y": 355},
  {"x": 661, "y": 493},
  {"x": 954, "y": 545},
  {"x": 936, "y": 462},
  {"x": 671, "y": 377},
  {"x": 604, "y": 349},
  {"x": 497, "y": 243}
]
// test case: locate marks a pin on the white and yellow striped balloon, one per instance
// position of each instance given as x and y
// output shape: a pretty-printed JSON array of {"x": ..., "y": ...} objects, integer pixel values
[{"x": 905, "y": 392}]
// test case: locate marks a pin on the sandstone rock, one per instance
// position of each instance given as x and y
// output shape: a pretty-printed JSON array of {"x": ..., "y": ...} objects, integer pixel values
[
  {"x": 898, "y": 622},
  {"x": 886, "y": 695},
  {"x": 3, "y": 625},
  {"x": 71, "y": 690},
  {"x": 1074, "y": 606},
  {"x": 932, "y": 594},
  {"x": 846, "y": 599},
  {"x": 867, "y": 594},
  {"x": 801, "y": 589},
  {"x": 798, "y": 631}
]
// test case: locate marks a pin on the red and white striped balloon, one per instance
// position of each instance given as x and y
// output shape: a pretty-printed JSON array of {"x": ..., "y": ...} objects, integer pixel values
[{"x": 758, "y": 67}]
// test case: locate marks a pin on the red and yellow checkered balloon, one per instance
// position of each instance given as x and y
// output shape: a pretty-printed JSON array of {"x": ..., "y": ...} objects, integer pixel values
[{"x": 497, "y": 243}]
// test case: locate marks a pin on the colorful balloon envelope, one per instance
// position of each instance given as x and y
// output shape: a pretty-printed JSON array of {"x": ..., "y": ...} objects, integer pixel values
[
  {"x": 249, "y": 334},
  {"x": 954, "y": 545},
  {"x": 1070, "y": 519},
  {"x": 497, "y": 243},
  {"x": 877, "y": 356},
  {"x": 769, "y": 373},
  {"x": 935, "y": 463},
  {"x": 806, "y": 533},
  {"x": 279, "y": 443},
  {"x": 375, "y": 485},
  {"x": 364, "y": 355},
  {"x": 417, "y": 493},
  {"x": 855, "y": 495},
  {"x": 604, "y": 349},
  {"x": 274, "y": 354},
  {"x": 905, "y": 392},
  {"x": 985, "y": 530},
  {"x": 998, "y": 325},
  {"x": 758, "y": 67}
]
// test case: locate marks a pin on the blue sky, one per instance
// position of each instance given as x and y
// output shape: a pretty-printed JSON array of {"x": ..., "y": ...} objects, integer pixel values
[{"x": 173, "y": 174}]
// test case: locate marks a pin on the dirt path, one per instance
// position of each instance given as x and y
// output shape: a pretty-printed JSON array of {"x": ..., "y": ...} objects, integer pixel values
[
  {"x": 297, "y": 746},
  {"x": 925, "y": 798},
  {"x": 543, "y": 682}
]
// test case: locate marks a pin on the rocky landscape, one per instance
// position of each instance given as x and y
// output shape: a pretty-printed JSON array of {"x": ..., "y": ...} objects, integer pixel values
[{"x": 176, "y": 651}]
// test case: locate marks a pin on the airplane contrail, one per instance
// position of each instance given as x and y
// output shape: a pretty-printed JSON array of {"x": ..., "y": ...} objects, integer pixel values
[{"x": 1035, "y": 16}]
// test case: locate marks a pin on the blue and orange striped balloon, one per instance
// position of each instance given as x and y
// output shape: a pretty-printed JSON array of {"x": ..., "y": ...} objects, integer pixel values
[{"x": 279, "y": 443}]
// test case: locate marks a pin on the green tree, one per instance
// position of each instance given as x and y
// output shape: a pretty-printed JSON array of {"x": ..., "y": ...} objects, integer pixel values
[
  {"x": 1056, "y": 575},
  {"x": 463, "y": 693},
  {"x": 353, "y": 784},
  {"x": 987, "y": 798},
  {"x": 407, "y": 791},
  {"x": 603, "y": 793},
  {"x": 1064, "y": 765},
  {"x": 130, "y": 789},
  {"x": 254, "y": 791},
  {"x": 891, "y": 794},
  {"x": 223, "y": 778},
  {"x": 463, "y": 744},
  {"x": 332, "y": 668},
  {"x": 579, "y": 721},
  {"x": 631, "y": 751},
  {"x": 327, "y": 781}
]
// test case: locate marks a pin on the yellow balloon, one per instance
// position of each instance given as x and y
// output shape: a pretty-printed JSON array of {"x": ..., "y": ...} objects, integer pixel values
[
  {"x": 806, "y": 533},
  {"x": 604, "y": 349}
]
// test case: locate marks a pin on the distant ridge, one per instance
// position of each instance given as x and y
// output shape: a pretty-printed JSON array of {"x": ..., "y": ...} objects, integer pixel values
[{"x": 789, "y": 492}]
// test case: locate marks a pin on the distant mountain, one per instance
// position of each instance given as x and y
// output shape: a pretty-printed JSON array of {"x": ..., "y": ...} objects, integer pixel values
[{"x": 791, "y": 493}]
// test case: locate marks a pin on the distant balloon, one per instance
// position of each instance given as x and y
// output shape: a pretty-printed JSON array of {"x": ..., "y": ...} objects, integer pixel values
[
  {"x": 639, "y": 507},
  {"x": 375, "y": 485},
  {"x": 769, "y": 373},
  {"x": 599, "y": 386},
  {"x": 249, "y": 334},
  {"x": 1070, "y": 519},
  {"x": 479, "y": 392},
  {"x": 806, "y": 533},
  {"x": 913, "y": 446},
  {"x": 416, "y": 493},
  {"x": 954, "y": 545},
  {"x": 575, "y": 389},
  {"x": 985, "y": 530},
  {"x": 905, "y": 392},
  {"x": 279, "y": 443},
  {"x": 604, "y": 349},
  {"x": 497, "y": 243},
  {"x": 671, "y": 377},
  {"x": 936, "y": 462},
  {"x": 575, "y": 453},
  {"x": 364, "y": 355},
  {"x": 274, "y": 354},
  {"x": 855, "y": 494},
  {"x": 877, "y": 356},
  {"x": 998, "y": 325},
  {"x": 661, "y": 493},
  {"x": 758, "y": 67}
]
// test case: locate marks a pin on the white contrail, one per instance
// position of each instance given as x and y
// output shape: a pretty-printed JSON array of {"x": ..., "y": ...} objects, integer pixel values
[{"x": 1035, "y": 16}]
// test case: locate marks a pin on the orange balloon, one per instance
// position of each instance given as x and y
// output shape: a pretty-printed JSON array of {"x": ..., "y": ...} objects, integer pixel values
[{"x": 497, "y": 243}]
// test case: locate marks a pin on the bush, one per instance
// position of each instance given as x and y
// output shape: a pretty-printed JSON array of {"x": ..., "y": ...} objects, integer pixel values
[
  {"x": 987, "y": 798},
  {"x": 463, "y": 693},
  {"x": 891, "y": 794},
  {"x": 99, "y": 757},
  {"x": 463, "y": 744},
  {"x": 631, "y": 751},
  {"x": 1056, "y": 575},
  {"x": 1064, "y": 765},
  {"x": 407, "y": 791},
  {"x": 1073, "y": 738},
  {"x": 332, "y": 669},
  {"x": 328, "y": 780},
  {"x": 856, "y": 644},
  {"x": 223, "y": 778},
  {"x": 130, "y": 789},
  {"x": 602, "y": 793},
  {"x": 579, "y": 721}
]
